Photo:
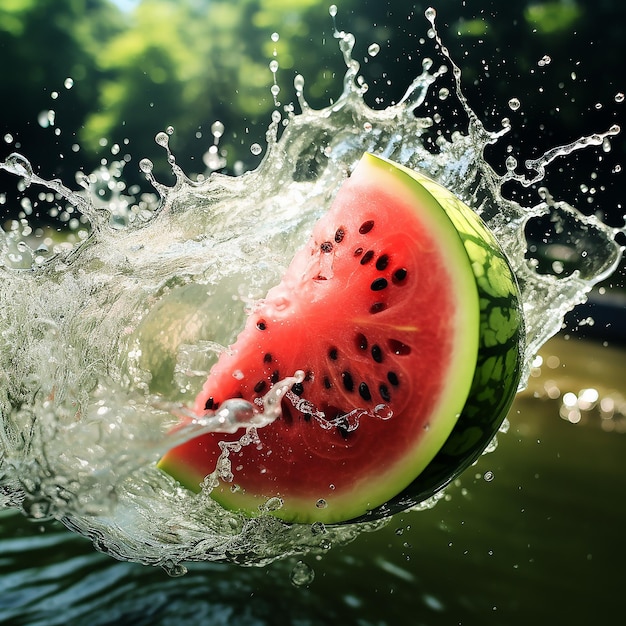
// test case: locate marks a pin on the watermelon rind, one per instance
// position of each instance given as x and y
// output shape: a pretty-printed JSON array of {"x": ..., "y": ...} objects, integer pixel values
[{"x": 499, "y": 364}]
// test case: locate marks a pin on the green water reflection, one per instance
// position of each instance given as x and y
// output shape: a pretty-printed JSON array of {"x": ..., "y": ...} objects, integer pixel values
[{"x": 533, "y": 534}]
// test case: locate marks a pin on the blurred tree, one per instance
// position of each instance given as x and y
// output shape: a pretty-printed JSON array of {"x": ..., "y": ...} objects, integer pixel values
[
  {"x": 42, "y": 44},
  {"x": 187, "y": 63}
]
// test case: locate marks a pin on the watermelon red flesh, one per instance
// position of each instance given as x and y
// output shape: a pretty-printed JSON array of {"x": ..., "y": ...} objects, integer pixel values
[{"x": 380, "y": 310}]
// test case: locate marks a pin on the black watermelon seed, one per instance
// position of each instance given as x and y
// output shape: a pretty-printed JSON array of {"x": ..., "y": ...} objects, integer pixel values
[
  {"x": 333, "y": 354},
  {"x": 399, "y": 348},
  {"x": 297, "y": 388},
  {"x": 267, "y": 358},
  {"x": 392, "y": 377},
  {"x": 377, "y": 353},
  {"x": 382, "y": 262},
  {"x": 326, "y": 246},
  {"x": 343, "y": 431},
  {"x": 361, "y": 341},
  {"x": 209, "y": 404},
  {"x": 261, "y": 325},
  {"x": 260, "y": 386},
  {"x": 377, "y": 307},
  {"x": 384, "y": 392},
  {"x": 327, "y": 383},
  {"x": 307, "y": 417},
  {"x": 379, "y": 284},
  {"x": 340, "y": 233},
  {"x": 308, "y": 376},
  {"x": 275, "y": 377},
  {"x": 366, "y": 227},
  {"x": 364, "y": 391},
  {"x": 358, "y": 252},
  {"x": 348, "y": 382},
  {"x": 399, "y": 275},
  {"x": 367, "y": 257}
]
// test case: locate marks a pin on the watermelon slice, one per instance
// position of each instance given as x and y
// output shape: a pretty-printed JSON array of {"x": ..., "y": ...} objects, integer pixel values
[{"x": 404, "y": 316}]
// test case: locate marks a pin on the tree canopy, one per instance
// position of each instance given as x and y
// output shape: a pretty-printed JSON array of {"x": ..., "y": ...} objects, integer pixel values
[{"x": 187, "y": 63}]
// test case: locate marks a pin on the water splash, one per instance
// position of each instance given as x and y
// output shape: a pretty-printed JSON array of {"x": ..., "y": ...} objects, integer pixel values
[{"x": 106, "y": 338}]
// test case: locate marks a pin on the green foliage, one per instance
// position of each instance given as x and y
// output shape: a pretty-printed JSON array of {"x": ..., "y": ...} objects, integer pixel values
[
  {"x": 553, "y": 17},
  {"x": 187, "y": 63}
]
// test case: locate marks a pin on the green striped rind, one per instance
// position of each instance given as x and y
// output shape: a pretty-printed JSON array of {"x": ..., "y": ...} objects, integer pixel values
[{"x": 499, "y": 362}]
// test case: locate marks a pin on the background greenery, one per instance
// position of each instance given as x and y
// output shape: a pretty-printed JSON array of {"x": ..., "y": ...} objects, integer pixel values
[{"x": 187, "y": 63}]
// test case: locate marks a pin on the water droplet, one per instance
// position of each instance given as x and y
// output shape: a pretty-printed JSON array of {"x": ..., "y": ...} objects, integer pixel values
[
  {"x": 488, "y": 476},
  {"x": 256, "y": 149},
  {"x": 444, "y": 92},
  {"x": 273, "y": 66},
  {"x": 514, "y": 104},
  {"x": 20, "y": 166},
  {"x": 511, "y": 163},
  {"x": 430, "y": 14},
  {"x": 274, "y": 90},
  {"x": 54, "y": 95},
  {"x": 619, "y": 97},
  {"x": 302, "y": 574},
  {"x": 68, "y": 83},
  {"x": 275, "y": 37},
  {"x": 273, "y": 504},
  {"x": 321, "y": 503},
  {"x": 544, "y": 60},
  {"x": 169, "y": 130},
  {"x": 606, "y": 145},
  {"x": 162, "y": 139},
  {"x": 146, "y": 166},
  {"x": 46, "y": 118},
  {"x": 8, "y": 138},
  {"x": 373, "y": 50},
  {"x": 298, "y": 82},
  {"x": 217, "y": 129},
  {"x": 332, "y": 10}
]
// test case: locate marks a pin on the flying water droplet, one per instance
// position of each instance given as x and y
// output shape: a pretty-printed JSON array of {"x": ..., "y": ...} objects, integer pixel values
[
  {"x": 514, "y": 104},
  {"x": 302, "y": 574},
  {"x": 146, "y": 166},
  {"x": 544, "y": 60},
  {"x": 162, "y": 139},
  {"x": 217, "y": 129},
  {"x": 256, "y": 149},
  {"x": 46, "y": 118},
  {"x": 20, "y": 166},
  {"x": 373, "y": 50},
  {"x": 68, "y": 83}
]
